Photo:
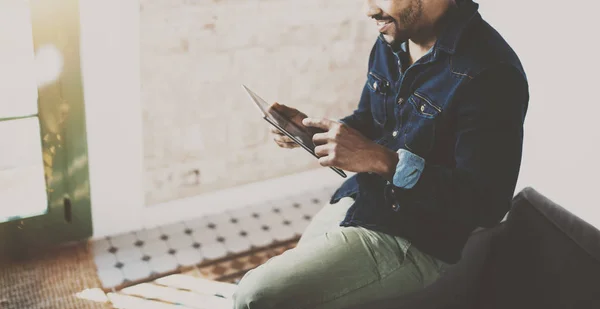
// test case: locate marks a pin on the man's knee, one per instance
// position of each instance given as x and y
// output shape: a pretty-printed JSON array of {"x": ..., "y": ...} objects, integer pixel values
[{"x": 254, "y": 293}]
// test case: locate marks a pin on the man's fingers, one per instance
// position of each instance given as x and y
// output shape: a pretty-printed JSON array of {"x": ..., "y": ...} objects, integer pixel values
[
  {"x": 320, "y": 138},
  {"x": 322, "y": 123},
  {"x": 285, "y": 145},
  {"x": 282, "y": 139},
  {"x": 325, "y": 161},
  {"x": 322, "y": 150},
  {"x": 276, "y": 131}
]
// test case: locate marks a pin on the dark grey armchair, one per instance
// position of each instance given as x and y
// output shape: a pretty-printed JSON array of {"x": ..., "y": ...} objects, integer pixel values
[{"x": 542, "y": 256}]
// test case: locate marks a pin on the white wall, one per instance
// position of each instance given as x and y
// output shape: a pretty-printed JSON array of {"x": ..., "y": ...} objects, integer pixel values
[
  {"x": 110, "y": 67},
  {"x": 110, "y": 51},
  {"x": 198, "y": 123},
  {"x": 558, "y": 44}
]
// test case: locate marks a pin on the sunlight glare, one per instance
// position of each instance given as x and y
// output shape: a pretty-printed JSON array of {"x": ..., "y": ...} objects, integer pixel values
[
  {"x": 94, "y": 294},
  {"x": 48, "y": 64}
]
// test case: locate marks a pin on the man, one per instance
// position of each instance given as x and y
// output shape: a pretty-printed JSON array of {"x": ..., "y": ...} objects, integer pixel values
[{"x": 436, "y": 143}]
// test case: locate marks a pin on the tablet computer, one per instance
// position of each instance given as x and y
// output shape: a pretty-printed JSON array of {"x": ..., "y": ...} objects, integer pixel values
[{"x": 296, "y": 133}]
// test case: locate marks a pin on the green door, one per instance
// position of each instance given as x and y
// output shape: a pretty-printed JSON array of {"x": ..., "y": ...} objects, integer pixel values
[{"x": 44, "y": 183}]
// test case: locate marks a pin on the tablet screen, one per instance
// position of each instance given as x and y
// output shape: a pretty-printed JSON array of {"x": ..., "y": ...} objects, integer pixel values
[
  {"x": 301, "y": 133},
  {"x": 292, "y": 128}
]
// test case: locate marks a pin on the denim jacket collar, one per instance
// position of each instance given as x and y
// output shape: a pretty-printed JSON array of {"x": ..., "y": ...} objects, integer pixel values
[{"x": 457, "y": 20}]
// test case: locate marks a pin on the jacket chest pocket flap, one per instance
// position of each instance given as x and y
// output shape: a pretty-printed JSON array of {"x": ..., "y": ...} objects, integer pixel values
[
  {"x": 380, "y": 91},
  {"x": 419, "y": 131}
]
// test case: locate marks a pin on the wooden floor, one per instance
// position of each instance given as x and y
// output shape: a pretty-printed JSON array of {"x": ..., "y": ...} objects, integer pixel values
[{"x": 66, "y": 278}]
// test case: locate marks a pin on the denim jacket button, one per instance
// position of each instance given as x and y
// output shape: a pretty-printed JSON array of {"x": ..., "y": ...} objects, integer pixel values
[
  {"x": 400, "y": 101},
  {"x": 375, "y": 85},
  {"x": 395, "y": 133}
]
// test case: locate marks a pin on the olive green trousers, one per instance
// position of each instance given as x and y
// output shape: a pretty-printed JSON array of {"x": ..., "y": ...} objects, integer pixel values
[{"x": 336, "y": 267}]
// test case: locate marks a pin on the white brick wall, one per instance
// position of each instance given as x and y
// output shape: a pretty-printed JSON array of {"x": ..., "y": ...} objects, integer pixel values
[{"x": 200, "y": 131}]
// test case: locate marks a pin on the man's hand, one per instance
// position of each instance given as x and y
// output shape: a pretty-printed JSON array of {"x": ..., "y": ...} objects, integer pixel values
[{"x": 347, "y": 149}]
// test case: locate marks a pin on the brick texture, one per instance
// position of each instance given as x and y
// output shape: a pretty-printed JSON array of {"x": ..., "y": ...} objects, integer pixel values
[{"x": 201, "y": 133}]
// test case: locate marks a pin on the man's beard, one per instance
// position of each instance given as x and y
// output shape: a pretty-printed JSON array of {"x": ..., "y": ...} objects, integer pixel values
[{"x": 408, "y": 18}]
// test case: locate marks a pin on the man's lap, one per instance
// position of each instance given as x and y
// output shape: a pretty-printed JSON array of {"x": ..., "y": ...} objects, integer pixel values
[{"x": 335, "y": 267}]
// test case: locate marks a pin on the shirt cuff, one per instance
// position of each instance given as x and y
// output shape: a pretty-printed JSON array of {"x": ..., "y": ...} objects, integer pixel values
[
  {"x": 344, "y": 121},
  {"x": 408, "y": 170}
]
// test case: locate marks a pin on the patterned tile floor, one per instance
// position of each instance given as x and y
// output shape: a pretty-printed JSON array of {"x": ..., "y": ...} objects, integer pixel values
[
  {"x": 252, "y": 233},
  {"x": 203, "y": 287}
]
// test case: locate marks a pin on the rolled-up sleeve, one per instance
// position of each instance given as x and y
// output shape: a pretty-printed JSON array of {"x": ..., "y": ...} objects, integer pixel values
[{"x": 408, "y": 170}]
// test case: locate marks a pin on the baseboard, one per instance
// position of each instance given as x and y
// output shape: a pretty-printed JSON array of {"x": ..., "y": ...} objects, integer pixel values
[{"x": 238, "y": 197}]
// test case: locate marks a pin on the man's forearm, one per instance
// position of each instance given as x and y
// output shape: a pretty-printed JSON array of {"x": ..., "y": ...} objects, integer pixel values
[{"x": 384, "y": 163}]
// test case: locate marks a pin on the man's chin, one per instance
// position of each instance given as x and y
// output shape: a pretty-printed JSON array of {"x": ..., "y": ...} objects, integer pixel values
[
  {"x": 393, "y": 39},
  {"x": 388, "y": 38}
]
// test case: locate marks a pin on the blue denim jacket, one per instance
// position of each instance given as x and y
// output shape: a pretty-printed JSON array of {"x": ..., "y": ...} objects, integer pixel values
[{"x": 456, "y": 119}]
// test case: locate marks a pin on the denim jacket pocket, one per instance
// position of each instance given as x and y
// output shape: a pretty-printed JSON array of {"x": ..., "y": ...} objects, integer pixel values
[
  {"x": 419, "y": 131},
  {"x": 380, "y": 88}
]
